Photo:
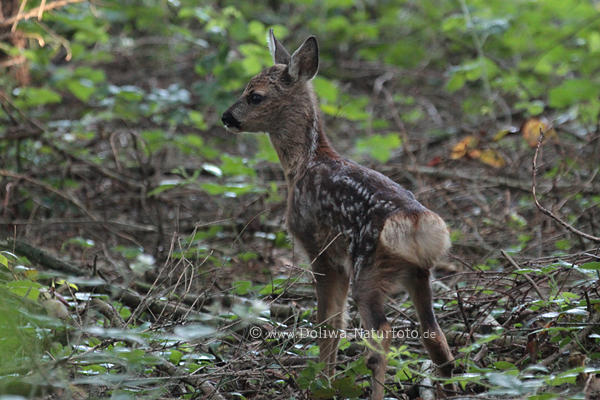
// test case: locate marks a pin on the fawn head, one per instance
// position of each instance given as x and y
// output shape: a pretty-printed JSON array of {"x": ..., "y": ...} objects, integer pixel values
[{"x": 278, "y": 95}]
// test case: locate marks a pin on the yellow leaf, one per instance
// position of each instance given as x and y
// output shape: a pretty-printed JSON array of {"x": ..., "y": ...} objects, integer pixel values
[
  {"x": 492, "y": 158},
  {"x": 461, "y": 148},
  {"x": 31, "y": 274},
  {"x": 64, "y": 282},
  {"x": 501, "y": 133},
  {"x": 531, "y": 131}
]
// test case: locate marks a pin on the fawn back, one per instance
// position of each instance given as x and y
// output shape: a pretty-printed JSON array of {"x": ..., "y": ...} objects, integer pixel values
[{"x": 355, "y": 224}]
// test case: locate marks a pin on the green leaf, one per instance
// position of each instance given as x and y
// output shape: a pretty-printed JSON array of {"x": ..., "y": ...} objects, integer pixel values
[
  {"x": 572, "y": 91},
  {"x": 175, "y": 356},
  {"x": 124, "y": 312},
  {"x": 265, "y": 150},
  {"x": 235, "y": 166},
  {"x": 346, "y": 387},
  {"x": 197, "y": 119},
  {"x": 504, "y": 365},
  {"x": 569, "y": 376},
  {"x": 275, "y": 287},
  {"x": 544, "y": 396},
  {"x": 481, "y": 68},
  {"x": 379, "y": 147},
  {"x": 25, "y": 288},
  {"x": 241, "y": 288},
  {"x": 128, "y": 93},
  {"x": 326, "y": 89},
  {"x": 308, "y": 374},
  {"x": 81, "y": 88},
  {"x": 247, "y": 256},
  {"x": 257, "y": 30},
  {"x": 163, "y": 187},
  {"x": 33, "y": 97},
  {"x": 92, "y": 74},
  {"x": 230, "y": 190},
  {"x": 593, "y": 265},
  {"x": 455, "y": 82},
  {"x": 129, "y": 252},
  {"x": 563, "y": 244},
  {"x": 79, "y": 241}
]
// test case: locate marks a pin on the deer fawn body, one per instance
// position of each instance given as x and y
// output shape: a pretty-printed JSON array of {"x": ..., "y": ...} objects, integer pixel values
[{"x": 355, "y": 224}]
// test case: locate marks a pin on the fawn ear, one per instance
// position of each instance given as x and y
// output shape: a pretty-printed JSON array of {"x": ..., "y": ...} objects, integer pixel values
[
  {"x": 304, "y": 63},
  {"x": 278, "y": 52}
]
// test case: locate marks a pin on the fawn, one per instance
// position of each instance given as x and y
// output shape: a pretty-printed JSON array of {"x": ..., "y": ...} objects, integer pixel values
[{"x": 354, "y": 223}]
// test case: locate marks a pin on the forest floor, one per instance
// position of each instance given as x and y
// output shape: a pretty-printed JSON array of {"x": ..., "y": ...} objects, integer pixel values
[{"x": 179, "y": 277}]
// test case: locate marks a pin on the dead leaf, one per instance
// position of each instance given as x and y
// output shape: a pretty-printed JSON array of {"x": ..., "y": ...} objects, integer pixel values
[
  {"x": 492, "y": 158},
  {"x": 474, "y": 154},
  {"x": 462, "y": 148},
  {"x": 434, "y": 161},
  {"x": 532, "y": 346},
  {"x": 531, "y": 131},
  {"x": 577, "y": 360}
]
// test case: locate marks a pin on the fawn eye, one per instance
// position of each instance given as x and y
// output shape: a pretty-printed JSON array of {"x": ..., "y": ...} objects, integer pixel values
[{"x": 255, "y": 98}]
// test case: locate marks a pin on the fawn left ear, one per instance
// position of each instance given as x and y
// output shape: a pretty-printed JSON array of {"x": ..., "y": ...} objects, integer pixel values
[
  {"x": 304, "y": 63},
  {"x": 278, "y": 52}
]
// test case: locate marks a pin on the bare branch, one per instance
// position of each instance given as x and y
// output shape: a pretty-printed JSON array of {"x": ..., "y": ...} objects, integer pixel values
[
  {"x": 36, "y": 12},
  {"x": 545, "y": 210}
]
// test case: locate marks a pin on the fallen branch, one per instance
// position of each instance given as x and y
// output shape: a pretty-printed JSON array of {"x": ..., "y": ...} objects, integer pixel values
[
  {"x": 69, "y": 198},
  {"x": 546, "y": 211},
  {"x": 123, "y": 225},
  {"x": 127, "y": 296},
  {"x": 108, "y": 311},
  {"x": 499, "y": 181},
  {"x": 39, "y": 256}
]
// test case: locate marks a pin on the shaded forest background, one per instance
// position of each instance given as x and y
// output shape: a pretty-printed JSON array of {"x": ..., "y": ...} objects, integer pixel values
[{"x": 141, "y": 245}]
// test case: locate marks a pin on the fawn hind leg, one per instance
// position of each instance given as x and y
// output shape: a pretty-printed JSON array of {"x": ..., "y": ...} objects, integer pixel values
[
  {"x": 418, "y": 284},
  {"x": 369, "y": 296},
  {"x": 332, "y": 291}
]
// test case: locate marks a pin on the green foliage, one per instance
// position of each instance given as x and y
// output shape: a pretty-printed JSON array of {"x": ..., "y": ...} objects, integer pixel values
[
  {"x": 379, "y": 147},
  {"x": 32, "y": 97}
]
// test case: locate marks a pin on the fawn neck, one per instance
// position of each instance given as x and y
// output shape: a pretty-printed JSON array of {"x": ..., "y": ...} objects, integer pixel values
[{"x": 300, "y": 138}]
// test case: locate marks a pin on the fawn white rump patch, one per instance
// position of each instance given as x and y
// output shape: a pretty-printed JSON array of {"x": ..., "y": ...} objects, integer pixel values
[{"x": 421, "y": 239}]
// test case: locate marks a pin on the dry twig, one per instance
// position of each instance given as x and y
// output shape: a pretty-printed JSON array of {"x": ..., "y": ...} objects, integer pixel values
[
  {"x": 517, "y": 266},
  {"x": 36, "y": 12},
  {"x": 49, "y": 188},
  {"x": 543, "y": 209}
]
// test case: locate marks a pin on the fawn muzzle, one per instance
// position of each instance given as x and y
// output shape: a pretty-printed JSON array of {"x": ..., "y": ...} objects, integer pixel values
[{"x": 230, "y": 121}]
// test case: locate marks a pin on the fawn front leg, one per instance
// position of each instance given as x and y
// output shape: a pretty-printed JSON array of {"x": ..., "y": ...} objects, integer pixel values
[{"x": 332, "y": 291}]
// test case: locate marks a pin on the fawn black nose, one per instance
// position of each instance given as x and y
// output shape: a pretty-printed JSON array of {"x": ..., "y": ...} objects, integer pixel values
[{"x": 230, "y": 121}]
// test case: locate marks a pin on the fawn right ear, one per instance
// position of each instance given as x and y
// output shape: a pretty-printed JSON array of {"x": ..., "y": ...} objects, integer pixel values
[
  {"x": 278, "y": 52},
  {"x": 304, "y": 63}
]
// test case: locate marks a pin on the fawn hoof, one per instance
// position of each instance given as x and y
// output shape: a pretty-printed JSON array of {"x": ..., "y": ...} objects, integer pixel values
[{"x": 445, "y": 370}]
